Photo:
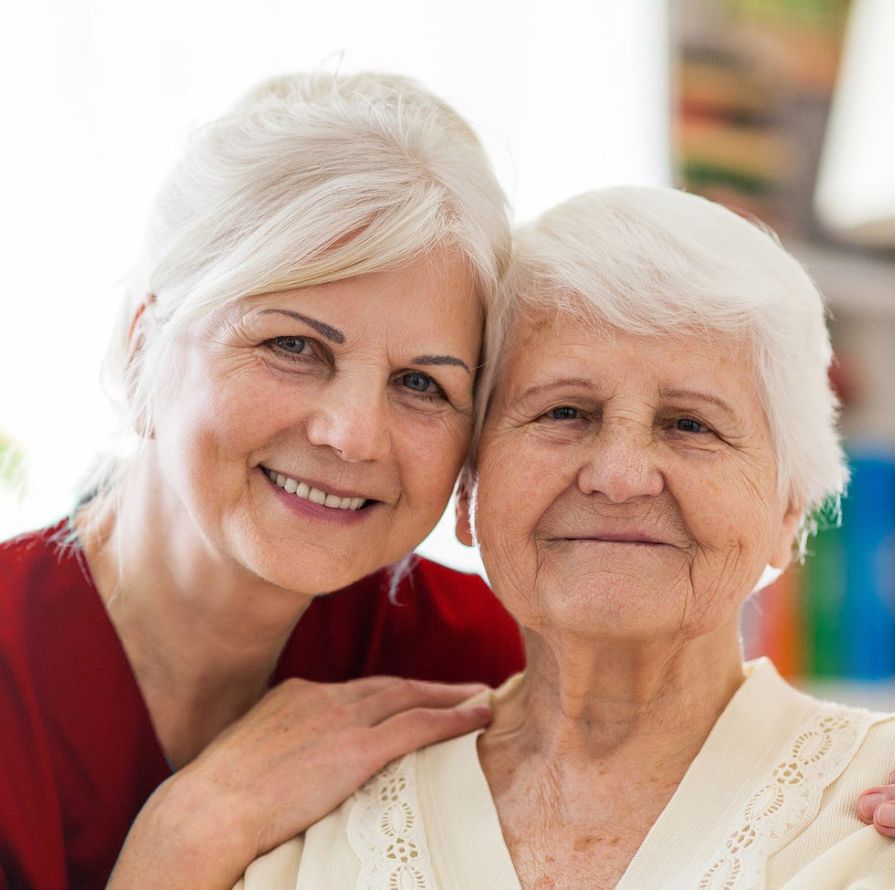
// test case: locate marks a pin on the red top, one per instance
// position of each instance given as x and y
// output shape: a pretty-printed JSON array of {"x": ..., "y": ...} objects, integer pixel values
[{"x": 78, "y": 753}]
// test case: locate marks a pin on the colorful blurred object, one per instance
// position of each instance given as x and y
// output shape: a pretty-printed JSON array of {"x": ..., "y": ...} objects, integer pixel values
[
  {"x": 835, "y": 617},
  {"x": 868, "y": 530},
  {"x": 754, "y": 85}
]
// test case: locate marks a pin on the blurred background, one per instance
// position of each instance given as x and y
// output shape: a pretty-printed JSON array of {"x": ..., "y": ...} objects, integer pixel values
[{"x": 782, "y": 109}]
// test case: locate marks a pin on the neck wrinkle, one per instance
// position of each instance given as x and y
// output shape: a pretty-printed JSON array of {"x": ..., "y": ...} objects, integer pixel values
[{"x": 584, "y": 702}]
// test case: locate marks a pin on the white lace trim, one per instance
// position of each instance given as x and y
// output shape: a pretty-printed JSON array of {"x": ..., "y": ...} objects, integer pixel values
[
  {"x": 787, "y": 799},
  {"x": 386, "y": 832}
]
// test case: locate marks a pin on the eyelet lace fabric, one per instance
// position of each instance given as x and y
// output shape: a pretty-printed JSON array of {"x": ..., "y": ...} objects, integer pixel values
[
  {"x": 788, "y": 798},
  {"x": 385, "y": 831}
]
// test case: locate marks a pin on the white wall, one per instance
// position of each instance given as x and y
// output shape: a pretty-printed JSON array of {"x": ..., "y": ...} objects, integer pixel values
[{"x": 97, "y": 96}]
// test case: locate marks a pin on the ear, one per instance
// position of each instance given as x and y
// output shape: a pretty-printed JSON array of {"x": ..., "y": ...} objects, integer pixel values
[
  {"x": 782, "y": 551},
  {"x": 136, "y": 338},
  {"x": 463, "y": 529},
  {"x": 136, "y": 331}
]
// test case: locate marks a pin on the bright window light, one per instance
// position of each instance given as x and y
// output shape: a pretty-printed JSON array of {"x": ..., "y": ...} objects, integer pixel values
[{"x": 99, "y": 95}]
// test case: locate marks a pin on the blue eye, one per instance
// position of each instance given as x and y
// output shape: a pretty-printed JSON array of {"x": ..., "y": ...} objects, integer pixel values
[
  {"x": 563, "y": 412},
  {"x": 419, "y": 382},
  {"x": 689, "y": 425},
  {"x": 292, "y": 345}
]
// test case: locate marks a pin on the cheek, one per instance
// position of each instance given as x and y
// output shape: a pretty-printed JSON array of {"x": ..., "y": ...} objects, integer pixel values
[
  {"x": 517, "y": 486},
  {"x": 430, "y": 452},
  {"x": 727, "y": 515},
  {"x": 211, "y": 427}
]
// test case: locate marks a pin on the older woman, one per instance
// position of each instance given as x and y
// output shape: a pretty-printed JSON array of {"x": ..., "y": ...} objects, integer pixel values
[
  {"x": 297, "y": 356},
  {"x": 659, "y": 431}
]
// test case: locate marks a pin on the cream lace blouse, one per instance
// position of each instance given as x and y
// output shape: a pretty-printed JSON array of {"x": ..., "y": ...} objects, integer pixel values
[{"x": 767, "y": 803}]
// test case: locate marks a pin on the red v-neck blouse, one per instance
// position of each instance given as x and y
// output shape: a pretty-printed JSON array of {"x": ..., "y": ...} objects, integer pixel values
[{"x": 78, "y": 753}]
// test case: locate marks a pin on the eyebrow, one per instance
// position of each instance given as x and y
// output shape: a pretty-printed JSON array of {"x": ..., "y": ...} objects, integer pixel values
[
  {"x": 554, "y": 384},
  {"x": 698, "y": 396},
  {"x": 440, "y": 360},
  {"x": 334, "y": 335}
]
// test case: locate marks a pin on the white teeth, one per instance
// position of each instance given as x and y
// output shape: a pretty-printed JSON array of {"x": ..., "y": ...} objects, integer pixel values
[{"x": 315, "y": 495}]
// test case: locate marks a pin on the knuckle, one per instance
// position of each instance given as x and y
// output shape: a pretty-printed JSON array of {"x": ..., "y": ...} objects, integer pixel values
[
  {"x": 423, "y": 719},
  {"x": 361, "y": 748},
  {"x": 289, "y": 688},
  {"x": 413, "y": 688}
]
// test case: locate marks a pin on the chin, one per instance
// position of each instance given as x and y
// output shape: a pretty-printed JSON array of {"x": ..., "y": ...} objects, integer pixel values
[
  {"x": 609, "y": 607},
  {"x": 300, "y": 568}
]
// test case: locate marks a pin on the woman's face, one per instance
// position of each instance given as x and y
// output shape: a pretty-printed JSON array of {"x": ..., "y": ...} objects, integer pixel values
[
  {"x": 356, "y": 394},
  {"x": 626, "y": 486}
]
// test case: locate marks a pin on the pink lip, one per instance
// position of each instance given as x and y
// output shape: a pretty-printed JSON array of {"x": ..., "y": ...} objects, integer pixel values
[
  {"x": 633, "y": 537},
  {"x": 309, "y": 510}
]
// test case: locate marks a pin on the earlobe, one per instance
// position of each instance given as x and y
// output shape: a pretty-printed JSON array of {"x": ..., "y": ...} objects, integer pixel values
[
  {"x": 782, "y": 552},
  {"x": 463, "y": 528}
]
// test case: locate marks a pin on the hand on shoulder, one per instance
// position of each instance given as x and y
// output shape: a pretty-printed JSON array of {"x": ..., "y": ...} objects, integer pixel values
[{"x": 295, "y": 756}]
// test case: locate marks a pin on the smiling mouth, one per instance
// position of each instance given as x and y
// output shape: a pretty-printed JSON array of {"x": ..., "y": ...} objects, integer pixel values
[
  {"x": 307, "y": 492},
  {"x": 616, "y": 539}
]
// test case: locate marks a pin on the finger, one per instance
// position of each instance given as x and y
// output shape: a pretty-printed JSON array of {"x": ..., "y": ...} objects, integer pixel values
[
  {"x": 355, "y": 690},
  {"x": 884, "y": 819},
  {"x": 873, "y": 798},
  {"x": 868, "y": 803},
  {"x": 345, "y": 693},
  {"x": 417, "y": 728},
  {"x": 366, "y": 686},
  {"x": 405, "y": 695}
]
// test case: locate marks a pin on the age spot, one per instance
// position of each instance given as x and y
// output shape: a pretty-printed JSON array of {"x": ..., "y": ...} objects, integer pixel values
[{"x": 588, "y": 840}]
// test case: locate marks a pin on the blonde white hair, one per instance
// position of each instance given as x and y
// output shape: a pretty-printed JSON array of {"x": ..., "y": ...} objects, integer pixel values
[
  {"x": 657, "y": 261},
  {"x": 310, "y": 178}
]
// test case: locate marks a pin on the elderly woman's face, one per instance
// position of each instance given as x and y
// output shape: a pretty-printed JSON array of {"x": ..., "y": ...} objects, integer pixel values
[
  {"x": 627, "y": 485},
  {"x": 315, "y": 435}
]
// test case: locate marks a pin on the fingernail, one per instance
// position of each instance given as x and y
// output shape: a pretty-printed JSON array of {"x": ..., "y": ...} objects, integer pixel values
[
  {"x": 868, "y": 803},
  {"x": 885, "y": 815}
]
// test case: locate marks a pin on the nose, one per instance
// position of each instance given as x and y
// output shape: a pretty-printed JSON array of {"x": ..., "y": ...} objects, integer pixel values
[
  {"x": 351, "y": 418},
  {"x": 621, "y": 464}
]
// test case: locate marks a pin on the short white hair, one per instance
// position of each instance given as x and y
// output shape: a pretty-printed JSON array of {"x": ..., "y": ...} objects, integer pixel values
[
  {"x": 310, "y": 178},
  {"x": 658, "y": 261}
]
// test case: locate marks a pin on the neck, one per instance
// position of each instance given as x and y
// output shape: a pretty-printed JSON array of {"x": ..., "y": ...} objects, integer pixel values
[
  {"x": 586, "y": 750},
  {"x": 202, "y": 633},
  {"x": 583, "y": 702}
]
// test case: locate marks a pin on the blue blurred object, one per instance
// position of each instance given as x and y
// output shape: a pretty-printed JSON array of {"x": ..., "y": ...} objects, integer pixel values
[{"x": 868, "y": 529}]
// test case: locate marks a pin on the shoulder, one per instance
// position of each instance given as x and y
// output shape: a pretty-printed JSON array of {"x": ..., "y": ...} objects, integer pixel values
[
  {"x": 79, "y": 752},
  {"x": 37, "y": 571},
  {"x": 850, "y": 749},
  {"x": 433, "y": 624},
  {"x": 32, "y": 572},
  {"x": 355, "y": 845}
]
